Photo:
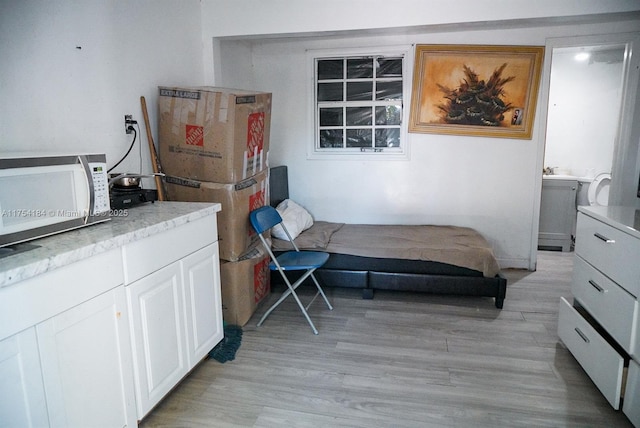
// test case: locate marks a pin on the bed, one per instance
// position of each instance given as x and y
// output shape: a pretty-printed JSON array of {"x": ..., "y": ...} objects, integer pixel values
[{"x": 423, "y": 258}]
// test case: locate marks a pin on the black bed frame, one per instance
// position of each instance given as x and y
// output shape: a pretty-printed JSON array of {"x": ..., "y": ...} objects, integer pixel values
[{"x": 372, "y": 279}]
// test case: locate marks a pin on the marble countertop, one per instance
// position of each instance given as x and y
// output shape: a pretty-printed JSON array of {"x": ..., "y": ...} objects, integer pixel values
[{"x": 133, "y": 224}]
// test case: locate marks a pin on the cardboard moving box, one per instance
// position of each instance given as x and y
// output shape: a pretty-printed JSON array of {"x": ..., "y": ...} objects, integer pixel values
[
  {"x": 245, "y": 284},
  {"x": 235, "y": 233},
  {"x": 213, "y": 134}
]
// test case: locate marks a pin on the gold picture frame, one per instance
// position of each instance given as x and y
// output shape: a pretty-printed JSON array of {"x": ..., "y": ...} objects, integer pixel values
[{"x": 478, "y": 90}]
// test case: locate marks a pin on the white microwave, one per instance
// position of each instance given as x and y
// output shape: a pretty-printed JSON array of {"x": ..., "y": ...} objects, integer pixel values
[{"x": 44, "y": 195}]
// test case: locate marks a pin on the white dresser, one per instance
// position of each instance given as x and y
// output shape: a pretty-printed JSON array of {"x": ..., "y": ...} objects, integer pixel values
[{"x": 602, "y": 327}]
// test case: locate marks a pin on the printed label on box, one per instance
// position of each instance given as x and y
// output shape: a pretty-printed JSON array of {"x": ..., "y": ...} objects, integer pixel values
[
  {"x": 250, "y": 99},
  {"x": 255, "y": 133},
  {"x": 245, "y": 184},
  {"x": 257, "y": 200},
  {"x": 195, "y": 135},
  {"x": 178, "y": 93},
  {"x": 195, "y": 152},
  {"x": 261, "y": 279}
]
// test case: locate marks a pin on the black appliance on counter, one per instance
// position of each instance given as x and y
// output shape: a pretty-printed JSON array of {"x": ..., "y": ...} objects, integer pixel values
[{"x": 126, "y": 197}]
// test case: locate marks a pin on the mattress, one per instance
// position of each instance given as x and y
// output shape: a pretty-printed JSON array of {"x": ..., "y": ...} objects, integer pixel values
[{"x": 373, "y": 245}]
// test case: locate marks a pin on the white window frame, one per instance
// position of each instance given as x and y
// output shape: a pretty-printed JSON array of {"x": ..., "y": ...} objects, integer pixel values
[{"x": 399, "y": 153}]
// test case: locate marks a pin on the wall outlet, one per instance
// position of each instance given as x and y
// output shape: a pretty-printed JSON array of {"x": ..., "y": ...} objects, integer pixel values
[{"x": 128, "y": 121}]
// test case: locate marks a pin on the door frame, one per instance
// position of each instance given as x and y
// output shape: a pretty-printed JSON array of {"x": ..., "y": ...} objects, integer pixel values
[{"x": 627, "y": 142}]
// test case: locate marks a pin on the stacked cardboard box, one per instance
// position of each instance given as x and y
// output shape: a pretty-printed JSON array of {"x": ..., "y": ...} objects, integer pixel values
[
  {"x": 235, "y": 235},
  {"x": 214, "y": 145},
  {"x": 214, "y": 134},
  {"x": 249, "y": 285}
]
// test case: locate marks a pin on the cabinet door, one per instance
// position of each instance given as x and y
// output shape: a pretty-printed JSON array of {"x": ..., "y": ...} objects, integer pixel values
[
  {"x": 557, "y": 213},
  {"x": 86, "y": 364},
  {"x": 22, "y": 399},
  {"x": 157, "y": 326},
  {"x": 203, "y": 304}
]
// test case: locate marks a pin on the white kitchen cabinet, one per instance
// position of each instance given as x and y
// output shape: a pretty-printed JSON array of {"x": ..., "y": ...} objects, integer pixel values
[
  {"x": 73, "y": 364},
  {"x": 176, "y": 308},
  {"x": 203, "y": 302},
  {"x": 86, "y": 364},
  {"x": 602, "y": 326},
  {"x": 65, "y": 341},
  {"x": 557, "y": 213},
  {"x": 160, "y": 361},
  {"x": 22, "y": 398}
]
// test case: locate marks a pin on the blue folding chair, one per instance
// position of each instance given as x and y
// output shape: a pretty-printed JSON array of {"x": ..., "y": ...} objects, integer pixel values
[{"x": 262, "y": 220}]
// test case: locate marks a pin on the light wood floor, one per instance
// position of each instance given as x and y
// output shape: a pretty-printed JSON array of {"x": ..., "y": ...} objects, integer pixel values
[{"x": 402, "y": 360}]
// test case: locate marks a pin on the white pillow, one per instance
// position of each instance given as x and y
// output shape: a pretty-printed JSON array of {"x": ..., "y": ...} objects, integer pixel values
[{"x": 295, "y": 218}]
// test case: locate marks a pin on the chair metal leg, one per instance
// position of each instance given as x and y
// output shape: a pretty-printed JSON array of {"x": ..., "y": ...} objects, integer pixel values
[
  {"x": 321, "y": 292},
  {"x": 304, "y": 312},
  {"x": 291, "y": 291}
]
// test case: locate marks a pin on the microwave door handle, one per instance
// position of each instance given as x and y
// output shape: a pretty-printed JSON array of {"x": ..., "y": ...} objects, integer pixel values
[{"x": 87, "y": 175}]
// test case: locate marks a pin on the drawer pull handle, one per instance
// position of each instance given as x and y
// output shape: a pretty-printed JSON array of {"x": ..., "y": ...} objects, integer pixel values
[
  {"x": 604, "y": 238},
  {"x": 582, "y": 335},
  {"x": 596, "y": 286}
]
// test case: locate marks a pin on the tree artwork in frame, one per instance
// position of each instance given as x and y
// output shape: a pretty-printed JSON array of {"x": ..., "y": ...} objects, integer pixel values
[{"x": 487, "y": 91}]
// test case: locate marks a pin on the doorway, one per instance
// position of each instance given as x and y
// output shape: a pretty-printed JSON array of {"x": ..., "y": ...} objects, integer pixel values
[
  {"x": 585, "y": 96},
  {"x": 621, "y": 137},
  {"x": 585, "y": 93}
]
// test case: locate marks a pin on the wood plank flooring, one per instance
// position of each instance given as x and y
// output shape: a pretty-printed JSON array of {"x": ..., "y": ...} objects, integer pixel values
[{"x": 401, "y": 360}]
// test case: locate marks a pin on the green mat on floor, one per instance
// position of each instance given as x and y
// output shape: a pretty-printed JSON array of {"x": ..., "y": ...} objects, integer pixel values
[{"x": 228, "y": 346}]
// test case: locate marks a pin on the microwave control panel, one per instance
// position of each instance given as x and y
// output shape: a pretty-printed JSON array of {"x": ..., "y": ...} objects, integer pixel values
[{"x": 100, "y": 187}]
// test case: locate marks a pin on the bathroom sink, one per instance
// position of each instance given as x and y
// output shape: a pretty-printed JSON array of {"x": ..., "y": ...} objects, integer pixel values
[{"x": 559, "y": 177}]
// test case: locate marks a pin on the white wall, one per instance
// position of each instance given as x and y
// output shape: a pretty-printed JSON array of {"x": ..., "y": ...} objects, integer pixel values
[
  {"x": 486, "y": 183},
  {"x": 240, "y": 18},
  {"x": 71, "y": 70},
  {"x": 584, "y": 106},
  {"x": 61, "y": 98}
]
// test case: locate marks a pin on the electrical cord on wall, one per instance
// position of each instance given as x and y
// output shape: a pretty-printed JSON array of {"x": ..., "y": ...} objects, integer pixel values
[{"x": 135, "y": 136}]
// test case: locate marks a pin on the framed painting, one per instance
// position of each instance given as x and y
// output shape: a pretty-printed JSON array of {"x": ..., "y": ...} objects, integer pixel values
[{"x": 487, "y": 91}]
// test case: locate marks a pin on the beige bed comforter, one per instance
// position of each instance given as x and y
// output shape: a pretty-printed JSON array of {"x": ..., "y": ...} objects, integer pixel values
[{"x": 460, "y": 246}]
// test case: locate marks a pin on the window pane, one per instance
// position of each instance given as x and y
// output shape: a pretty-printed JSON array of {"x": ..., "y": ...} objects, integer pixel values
[
  {"x": 359, "y": 91},
  {"x": 359, "y": 116},
  {"x": 389, "y": 91},
  {"x": 359, "y": 104},
  {"x": 330, "y": 91},
  {"x": 388, "y": 115},
  {"x": 331, "y": 116},
  {"x": 330, "y": 69},
  {"x": 388, "y": 137},
  {"x": 360, "y": 68},
  {"x": 331, "y": 138},
  {"x": 389, "y": 67},
  {"x": 359, "y": 137}
]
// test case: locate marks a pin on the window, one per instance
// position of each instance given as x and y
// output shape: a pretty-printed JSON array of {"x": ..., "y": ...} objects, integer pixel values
[{"x": 359, "y": 104}]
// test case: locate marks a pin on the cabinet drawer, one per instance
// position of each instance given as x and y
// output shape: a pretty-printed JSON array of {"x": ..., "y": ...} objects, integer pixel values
[
  {"x": 614, "y": 308},
  {"x": 596, "y": 356},
  {"x": 631, "y": 404},
  {"x": 36, "y": 299},
  {"x": 154, "y": 252},
  {"x": 611, "y": 251}
]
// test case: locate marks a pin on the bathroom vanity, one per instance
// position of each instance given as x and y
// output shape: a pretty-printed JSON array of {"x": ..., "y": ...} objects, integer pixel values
[
  {"x": 98, "y": 324},
  {"x": 557, "y": 212}
]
